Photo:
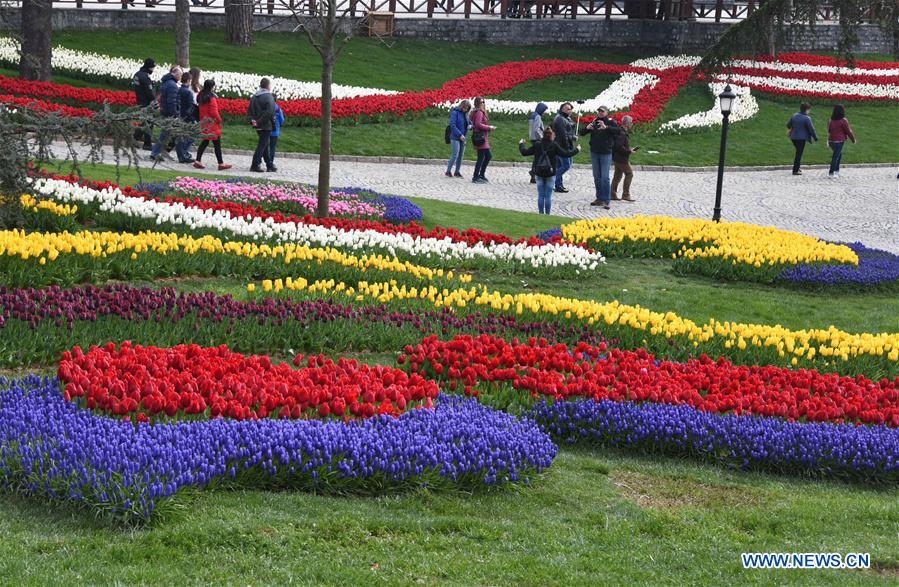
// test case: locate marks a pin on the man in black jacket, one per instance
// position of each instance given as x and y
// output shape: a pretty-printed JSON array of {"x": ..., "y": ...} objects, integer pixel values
[
  {"x": 565, "y": 138},
  {"x": 261, "y": 113},
  {"x": 145, "y": 97},
  {"x": 602, "y": 131},
  {"x": 169, "y": 107},
  {"x": 187, "y": 110}
]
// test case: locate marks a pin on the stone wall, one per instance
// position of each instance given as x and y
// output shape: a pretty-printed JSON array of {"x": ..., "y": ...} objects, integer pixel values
[
  {"x": 649, "y": 35},
  {"x": 645, "y": 35}
]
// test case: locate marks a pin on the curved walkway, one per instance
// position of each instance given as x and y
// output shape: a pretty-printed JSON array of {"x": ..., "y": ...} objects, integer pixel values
[{"x": 863, "y": 205}]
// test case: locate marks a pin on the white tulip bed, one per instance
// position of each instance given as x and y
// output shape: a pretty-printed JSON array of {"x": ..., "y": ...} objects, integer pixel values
[{"x": 425, "y": 251}]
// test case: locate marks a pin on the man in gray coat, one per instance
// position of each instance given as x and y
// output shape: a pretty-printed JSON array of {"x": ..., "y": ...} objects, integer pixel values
[{"x": 261, "y": 113}]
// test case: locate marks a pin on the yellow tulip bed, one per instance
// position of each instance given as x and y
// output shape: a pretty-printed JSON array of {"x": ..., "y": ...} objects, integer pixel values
[
  {"x": 47, "y": 215},
  {"x": 732, "y": 250},
  {"x": 35, "y": 259},
  {"x": 663, "y": 333}
]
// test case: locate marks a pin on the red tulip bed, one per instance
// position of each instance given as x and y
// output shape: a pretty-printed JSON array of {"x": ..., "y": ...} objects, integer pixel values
[
  {"x": 754, "y": 417},
  {"x": 493, "y": 80},
  {"x": 488, "y": 365},
  {"x": 189, "y": 380}
]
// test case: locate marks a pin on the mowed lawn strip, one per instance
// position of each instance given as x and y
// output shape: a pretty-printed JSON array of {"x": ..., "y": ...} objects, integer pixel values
[{"x": 597, "y": 516}]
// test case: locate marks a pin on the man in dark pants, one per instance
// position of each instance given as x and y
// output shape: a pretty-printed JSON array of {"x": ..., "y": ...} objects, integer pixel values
[
  {"x": 261, "y": 113},
  {"x": 565, "y": 138},
  {"x": 145, "y": 97},
  {"x": 801, "y": 131},
  {"x": 169, "y": 107}
]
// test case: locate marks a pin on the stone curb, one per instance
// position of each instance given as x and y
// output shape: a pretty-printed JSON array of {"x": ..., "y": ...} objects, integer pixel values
[{"x": 671, "y": 168}]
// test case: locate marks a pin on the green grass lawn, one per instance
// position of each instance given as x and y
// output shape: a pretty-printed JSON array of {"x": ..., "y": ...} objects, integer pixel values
[
  {"x": 404, "y": 64},
  {"x": 414, "y": 65},
  {"x": 596, "y": 517}
]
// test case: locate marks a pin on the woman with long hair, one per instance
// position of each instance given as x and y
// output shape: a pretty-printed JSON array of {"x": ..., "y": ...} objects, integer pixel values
[
  {"x": 458, "y": 136},
  {"x": 838, "y": 130},
  {"x": 196, "y": 74},
  {"x": 210, "y": 125},
  {"x": 480, "y": 137}
]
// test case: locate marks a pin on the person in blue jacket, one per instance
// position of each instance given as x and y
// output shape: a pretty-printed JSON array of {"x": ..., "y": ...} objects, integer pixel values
[
  {"x": 169, "y": 107},
  {"x": 187, "y": 106},
  {"x": 459, "y": 126},
  {"x": 801, "y": 131},
  {"x": 278, "y": 120}
]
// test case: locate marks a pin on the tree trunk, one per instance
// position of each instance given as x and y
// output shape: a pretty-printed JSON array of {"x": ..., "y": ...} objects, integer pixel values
[
  {"x": 239, "y": 22},
  {"x": 324, "y": 157},
  {"x": 182, "y": 33},
  {"x": 37, "y": 49}
]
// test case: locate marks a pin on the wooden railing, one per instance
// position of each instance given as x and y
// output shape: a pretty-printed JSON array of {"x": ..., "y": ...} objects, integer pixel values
[{"x": 699, "y": 10}]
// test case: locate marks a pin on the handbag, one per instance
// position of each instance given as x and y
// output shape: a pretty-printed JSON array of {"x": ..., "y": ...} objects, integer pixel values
[
  {"x": 447, "y": 134},
  {"x": 478, "y": 138}
]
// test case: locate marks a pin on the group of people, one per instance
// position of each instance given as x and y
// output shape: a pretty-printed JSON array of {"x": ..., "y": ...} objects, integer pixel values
[
  {"x": 552, "y": 148},
  {"x": 182, "y": 95},
  {"x": 801, "y": 131}
]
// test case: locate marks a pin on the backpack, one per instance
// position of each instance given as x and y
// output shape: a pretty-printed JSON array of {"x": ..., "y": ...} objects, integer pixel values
[
  {"x": 542, "y": 165},
  {"x": 447, "y": 134}
]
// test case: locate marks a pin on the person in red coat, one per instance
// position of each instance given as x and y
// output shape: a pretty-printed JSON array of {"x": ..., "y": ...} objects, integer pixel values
[{"x": 210, "y": 125}]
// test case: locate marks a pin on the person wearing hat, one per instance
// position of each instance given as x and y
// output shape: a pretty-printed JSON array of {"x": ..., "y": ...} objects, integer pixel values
[
  {"x": 602, "y": 131},
  {"x": 145, "y": 96}
]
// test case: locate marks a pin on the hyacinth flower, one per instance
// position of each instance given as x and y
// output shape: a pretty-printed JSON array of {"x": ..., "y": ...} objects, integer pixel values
[
  {"x": 397, "y": 210},
  {"x": 53, "y": 449},
  {"x": 875, "y": 268},
  {"x": 746, "y": 442}
]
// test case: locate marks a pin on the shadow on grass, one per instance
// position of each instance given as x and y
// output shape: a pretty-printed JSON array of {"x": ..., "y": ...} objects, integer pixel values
[{"x": 610, "y": 458}]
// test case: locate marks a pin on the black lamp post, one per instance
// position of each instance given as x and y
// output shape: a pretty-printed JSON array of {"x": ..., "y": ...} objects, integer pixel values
[{"x": 727, "y": 102}]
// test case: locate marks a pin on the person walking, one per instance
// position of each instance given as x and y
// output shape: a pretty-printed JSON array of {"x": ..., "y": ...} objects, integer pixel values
[
  {"x": 210, "y": 125},
  {"x": 187, "y": 108},
  {"x": 480, "y": 138},
  {"x": 602, "y": 131},
  {"x": 169, "y": 107},
  {"x": 801, "y": 131},
  {"x": 277, "y": 120},
  {"x": 535, "y": 129},
  {"x": 261, "y": 113},
  {"x": 621, "y": 159},
  {"x": 145, "y": 97},
  {"x": 565, "y": 138},
  {"x": 546, "y": 153},
  {"x": 196, "y": 81},
  {"x": 458, "y": 124},
  {"x": 838, "y": 130}
]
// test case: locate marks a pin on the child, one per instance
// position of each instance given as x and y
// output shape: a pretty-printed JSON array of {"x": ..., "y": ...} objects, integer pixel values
[{"x": 273, "y": 142}]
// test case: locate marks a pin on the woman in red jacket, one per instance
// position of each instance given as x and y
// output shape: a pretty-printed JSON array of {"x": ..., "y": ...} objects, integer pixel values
[
  {"x": 838, "y": 131},
  {"x": 210, "y": 125}
]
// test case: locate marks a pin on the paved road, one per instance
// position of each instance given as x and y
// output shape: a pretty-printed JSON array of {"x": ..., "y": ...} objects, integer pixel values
[{"x": 863, "y": 205}]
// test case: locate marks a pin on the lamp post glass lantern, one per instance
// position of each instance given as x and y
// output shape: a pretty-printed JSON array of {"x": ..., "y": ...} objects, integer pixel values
[{"x": 726, "y": 100}]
